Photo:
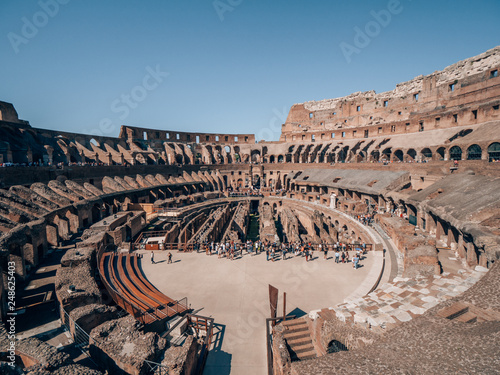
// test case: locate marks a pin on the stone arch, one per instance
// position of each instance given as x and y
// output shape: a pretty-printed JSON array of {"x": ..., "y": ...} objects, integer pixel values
[
  {"x": 455, "y": 153},
  {"x": 411, "y": 153},
  {"x": 494, "y": 152},
  {"x": 386, "y": 154},
  {"x": 474, "y": 152},
  {"x": 398, "y": 155},
  {"x": 255, "y": 156},
  {"x": 441, "y": 152},
  {"x": 426, "y": 153}
]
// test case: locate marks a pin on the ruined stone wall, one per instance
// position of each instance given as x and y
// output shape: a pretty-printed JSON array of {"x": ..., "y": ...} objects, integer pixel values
[{"x": 442, "y": 99}]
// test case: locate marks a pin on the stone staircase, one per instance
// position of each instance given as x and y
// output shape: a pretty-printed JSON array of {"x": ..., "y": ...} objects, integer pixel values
[{"x": 298, "y": 338}]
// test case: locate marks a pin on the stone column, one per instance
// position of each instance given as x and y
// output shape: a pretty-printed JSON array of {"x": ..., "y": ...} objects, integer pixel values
[
  {"x": 333, "y": 200},
  {"x": 471, "y": 255}
]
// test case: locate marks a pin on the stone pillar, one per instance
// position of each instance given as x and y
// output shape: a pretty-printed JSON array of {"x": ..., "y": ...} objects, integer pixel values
[
  {"x": 122, "y": 158},
  {"x": 439, "y": 230},
  {"x": 462, "y": 253},
  {"x": 50, "y": 152},
  {"x": 333, "y": 200},
  {"x": 471, "y": 255},
  {"x": 29, "y": 155},
  {"x": 109, "y": 159}
]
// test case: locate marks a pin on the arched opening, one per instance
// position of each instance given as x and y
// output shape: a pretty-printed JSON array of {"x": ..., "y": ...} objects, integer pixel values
[
  {"x": 280, "y": 158},
  {"x": 336, "y": 346},
  {"x": 271, "y": 159},
  {"x": 441, "y": 151},
  {"x": 412, "y": 154},
  {"x": 178, "y": 158},
  {"x": 375, "y": 154},
  {"x": 255, "y": 156},
  {"x": 455, "y": 153},
  {"x": 426, "y": 154},
  {"x": 474, "y": 152},
  {"x": 494, "y": 152},
  {"x": 398, "y": 155},
  {"x": 386, "y": 154}
]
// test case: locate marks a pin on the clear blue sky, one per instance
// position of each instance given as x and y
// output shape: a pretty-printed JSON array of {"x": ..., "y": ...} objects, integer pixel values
[{"x": 237, "y": 69}]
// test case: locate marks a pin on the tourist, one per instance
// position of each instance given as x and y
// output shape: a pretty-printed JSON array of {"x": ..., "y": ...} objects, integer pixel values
[
  {"x": 355, "y": 262},
  {"x": 267, "y": 254},
  {"x": 337, "y": 257},
  {"x": 169, "y": 257},
  {"x": 152, "y": 257},
  {"x": 343, "y": 257},
  {"x": 307, "y": 255},
  {"x": 325, "y": 251}
]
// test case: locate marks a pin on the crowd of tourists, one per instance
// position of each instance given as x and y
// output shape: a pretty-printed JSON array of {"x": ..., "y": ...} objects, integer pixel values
[{"x": 341, "y": 252}]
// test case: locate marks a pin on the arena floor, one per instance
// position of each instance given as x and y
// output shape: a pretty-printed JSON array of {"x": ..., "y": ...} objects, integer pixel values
[{"x": 235, "y": 293}]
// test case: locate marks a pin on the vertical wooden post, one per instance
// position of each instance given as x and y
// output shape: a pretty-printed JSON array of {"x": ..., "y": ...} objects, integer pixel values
[{"x": 284, "y": 306}]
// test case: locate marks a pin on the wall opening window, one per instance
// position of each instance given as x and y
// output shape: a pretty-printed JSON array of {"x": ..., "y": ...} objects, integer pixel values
[
  {"x": 216, "y": 138},
  {"x": 455, "y": 118},
  {"x": 438, "y": 119},
  {"x": 366, "y": 133},
  {"x": 334, "y": 113},
  {"x": 380, "y": 130},
  {"x": 386, "y": 103},
  {"x": 474, "y": 114},
  {"x": 399, "y": 113},
  {"x": 177, "y": 136},
  {"x": 167, "y": 135},
  {"x": 354, "y": 133},
  {"x": 246, "y": 139},
  {"x": 343, "y": 134},
  {"x": 415, "y": 96},
  {"x": 207, "y": 138},
  {"x": 494, "y": 73},
  {"x": 452, "y": 87},
  {"x": 197, "y": 139},
  {"x": 421, "y": 126},
  {"x": 236, "y": 139},
  {"x": 311, "y": 115},
  {"x": 145, "y": 136},
  {"x": 393, "y": 128},
  {"x": 333, "y": 135},
  {"x": 188, "y": 137},
  {"x": 226, "y": 138},
  {"x": 313, "y": 137},
  {"x": 495, "y": 107},
  {"x": 358, "y": 108}
]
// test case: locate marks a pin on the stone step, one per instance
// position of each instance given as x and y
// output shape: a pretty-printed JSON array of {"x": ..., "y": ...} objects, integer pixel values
[
  {"x": 299, "y": 341},
  {"x": 303, "y": 348},
  {"x": 454, "y": 311},
  {"x": 307, "y": 355},
  {"x": 294, "y": 322},
  {"x": 467, "y": 317},
  {"x": 296, "y": 335}
]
